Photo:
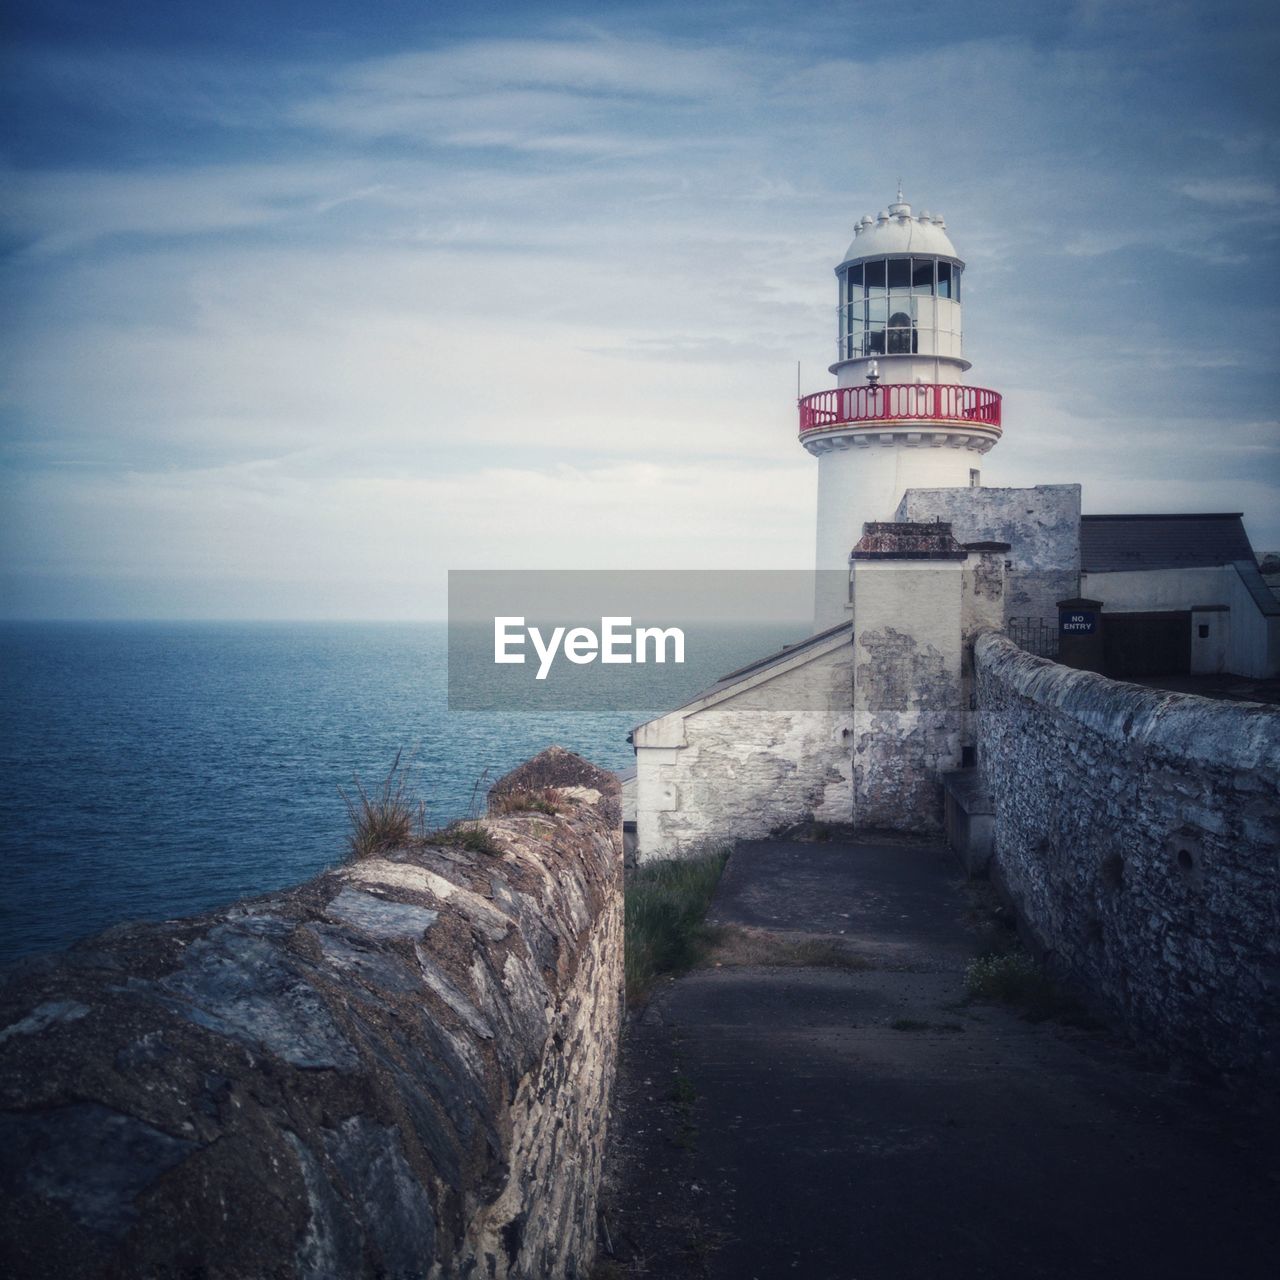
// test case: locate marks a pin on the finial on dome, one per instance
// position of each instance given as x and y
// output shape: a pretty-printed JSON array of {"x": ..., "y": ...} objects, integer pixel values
[{"x": 899, "y": 190}]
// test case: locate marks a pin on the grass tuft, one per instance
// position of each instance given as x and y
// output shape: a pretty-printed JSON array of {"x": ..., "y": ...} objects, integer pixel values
[
  {"x": 665, "y": 905},
  {"x": 469, "y": 835},
  {"x": 548, "y": 800},
  {"x": 388, "y": 818},
  {"x": 1014, "y": 978}
]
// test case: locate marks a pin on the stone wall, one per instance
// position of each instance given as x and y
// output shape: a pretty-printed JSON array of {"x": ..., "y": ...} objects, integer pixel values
[
  {"x": 1137, "y": 833},
  {"x": 399, "y": 1069},
  {"x": 1040, "y": 524}
]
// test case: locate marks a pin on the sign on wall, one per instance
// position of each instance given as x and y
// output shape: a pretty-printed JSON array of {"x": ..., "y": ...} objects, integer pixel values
[{"x": 1081, "y": 622}]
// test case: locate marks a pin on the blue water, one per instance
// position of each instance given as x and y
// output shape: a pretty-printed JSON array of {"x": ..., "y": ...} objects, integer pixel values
[{"x": 153, "y": 770}]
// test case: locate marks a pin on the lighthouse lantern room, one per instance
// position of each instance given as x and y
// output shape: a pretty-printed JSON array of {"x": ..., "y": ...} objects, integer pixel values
[{"x": 900, "y": 415}]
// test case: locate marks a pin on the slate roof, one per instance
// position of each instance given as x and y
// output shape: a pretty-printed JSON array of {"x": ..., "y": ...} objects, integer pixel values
[
  {"x": 773, "y": 659},
  {"x": 1112, "y": 544},
  {"x": 761, "y": 664}
]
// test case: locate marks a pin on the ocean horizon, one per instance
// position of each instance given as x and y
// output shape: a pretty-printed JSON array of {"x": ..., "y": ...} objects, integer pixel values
[{"x": 158, "y": 769}]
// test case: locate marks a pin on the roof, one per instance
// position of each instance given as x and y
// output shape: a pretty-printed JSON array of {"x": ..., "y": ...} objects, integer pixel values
[
  {"x": 903, "y": 540},
  {"x": 1114, "y": 544},
  {"x": 1256, "y": 585},
  {"x": 897, "y": 230},
  {"x": 785, "y": 654}
]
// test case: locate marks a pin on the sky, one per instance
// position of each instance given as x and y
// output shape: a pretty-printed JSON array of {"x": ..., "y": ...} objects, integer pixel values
[{"x": 308, "y": 303}]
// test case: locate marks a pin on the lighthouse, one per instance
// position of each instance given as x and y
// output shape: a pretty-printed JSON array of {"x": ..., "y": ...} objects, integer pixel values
[{"x": 900, "y": 415}]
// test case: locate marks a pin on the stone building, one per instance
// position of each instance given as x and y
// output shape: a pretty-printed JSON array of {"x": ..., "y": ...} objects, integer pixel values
[{"x": 915, "y": 556}]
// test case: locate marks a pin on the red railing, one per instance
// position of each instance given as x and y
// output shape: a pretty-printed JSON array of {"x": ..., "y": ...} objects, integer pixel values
[{"x": 901, "y": 402}]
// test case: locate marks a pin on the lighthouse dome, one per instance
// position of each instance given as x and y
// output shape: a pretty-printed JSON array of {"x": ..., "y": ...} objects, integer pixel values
[{"x": 897, "y": 230}]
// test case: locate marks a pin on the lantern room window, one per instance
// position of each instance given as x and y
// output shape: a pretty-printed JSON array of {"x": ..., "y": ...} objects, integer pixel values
[
  {"x": 884, "y": 301},
  {"x": 903, "y": 340}
]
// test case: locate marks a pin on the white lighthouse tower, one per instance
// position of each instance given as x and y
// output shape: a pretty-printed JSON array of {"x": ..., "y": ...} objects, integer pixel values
[{"x": 900, "y": 415}]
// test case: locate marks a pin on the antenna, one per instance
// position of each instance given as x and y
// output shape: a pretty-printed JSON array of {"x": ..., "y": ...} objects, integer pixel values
[
  {"x": 797, "y": 379},
  {"x": 899, "y": 190}
]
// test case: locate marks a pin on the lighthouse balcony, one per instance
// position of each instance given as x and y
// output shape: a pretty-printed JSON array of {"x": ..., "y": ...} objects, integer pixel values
[{"x": 946, "y": 404}]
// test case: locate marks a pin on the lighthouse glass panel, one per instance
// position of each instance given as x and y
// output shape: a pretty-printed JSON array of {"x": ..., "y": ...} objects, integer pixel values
[
  {"x": 900, "y": 337},
  {"x": 899, "y": 306}
]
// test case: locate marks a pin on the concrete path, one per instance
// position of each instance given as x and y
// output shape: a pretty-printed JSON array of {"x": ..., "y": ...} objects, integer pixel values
[{"x": 865, "y": 1123}]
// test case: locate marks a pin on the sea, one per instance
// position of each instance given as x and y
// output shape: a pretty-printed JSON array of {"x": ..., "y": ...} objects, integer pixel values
[{"x": 153, "y": 770}]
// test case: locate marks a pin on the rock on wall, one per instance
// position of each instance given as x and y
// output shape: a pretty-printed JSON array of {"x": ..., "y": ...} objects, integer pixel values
[
  {"x": 766, "y": 751},
  {"x": 399, "y": 1069},
  {"x": 1138, "y": 834},
  {"x": 1041, "y": 525}
]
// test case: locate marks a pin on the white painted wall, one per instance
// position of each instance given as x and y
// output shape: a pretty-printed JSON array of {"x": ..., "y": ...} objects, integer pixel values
[
  {"x": 1253, "y": 647},
  {"x": 923, "y": 366},
  {"x": 770, "y": 751},
  {"x": 1157, "y": 590},
  {"x": 1210, "y": 653},
  {"x": 908, "y": 705},
  {"x": 865, "y": 481}
]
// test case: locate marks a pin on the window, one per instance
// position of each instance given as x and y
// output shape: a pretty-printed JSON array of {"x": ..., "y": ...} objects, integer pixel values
[
  {"x": 902, "y": 334},
  {"x": 975, "y": 478},
  {"x": 881, "y": 311}
]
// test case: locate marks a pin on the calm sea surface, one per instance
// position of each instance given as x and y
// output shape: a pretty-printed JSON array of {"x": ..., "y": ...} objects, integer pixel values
[{"x": 152, "y": 770}]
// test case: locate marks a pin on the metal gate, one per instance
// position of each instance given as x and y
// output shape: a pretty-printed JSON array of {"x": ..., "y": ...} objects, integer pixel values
[{"x": 1035, "y": 635}]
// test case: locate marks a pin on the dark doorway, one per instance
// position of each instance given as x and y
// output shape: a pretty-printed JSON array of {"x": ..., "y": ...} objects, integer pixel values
[{"x": 1147, "y": 644}]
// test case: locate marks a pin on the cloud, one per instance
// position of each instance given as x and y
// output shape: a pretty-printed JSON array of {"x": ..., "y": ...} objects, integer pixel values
[
  {"x": 534, "y": 94},
  {"x": 387, "y": 540},
  {"x": 544, "y": 296},
  {"x": 1228, "y": 191},
  {"x": 61, "y": 210}
]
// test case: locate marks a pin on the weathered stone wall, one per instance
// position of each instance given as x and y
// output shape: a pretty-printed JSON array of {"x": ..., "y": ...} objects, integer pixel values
[
  {"x": 398, "y": 1069},
  {"x": 909, "y": 716},
  {"x": 1041, "y": 525},
  {"x": 1138, "y": 834},
  {"x": 769, "y": 750}
]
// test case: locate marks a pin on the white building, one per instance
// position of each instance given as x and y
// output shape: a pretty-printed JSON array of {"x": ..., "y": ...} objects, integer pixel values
[{"x": 859, "y": 723}]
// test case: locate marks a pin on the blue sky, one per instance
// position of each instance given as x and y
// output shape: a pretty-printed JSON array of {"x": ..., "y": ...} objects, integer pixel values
[{"x": 308, "y": 303}]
